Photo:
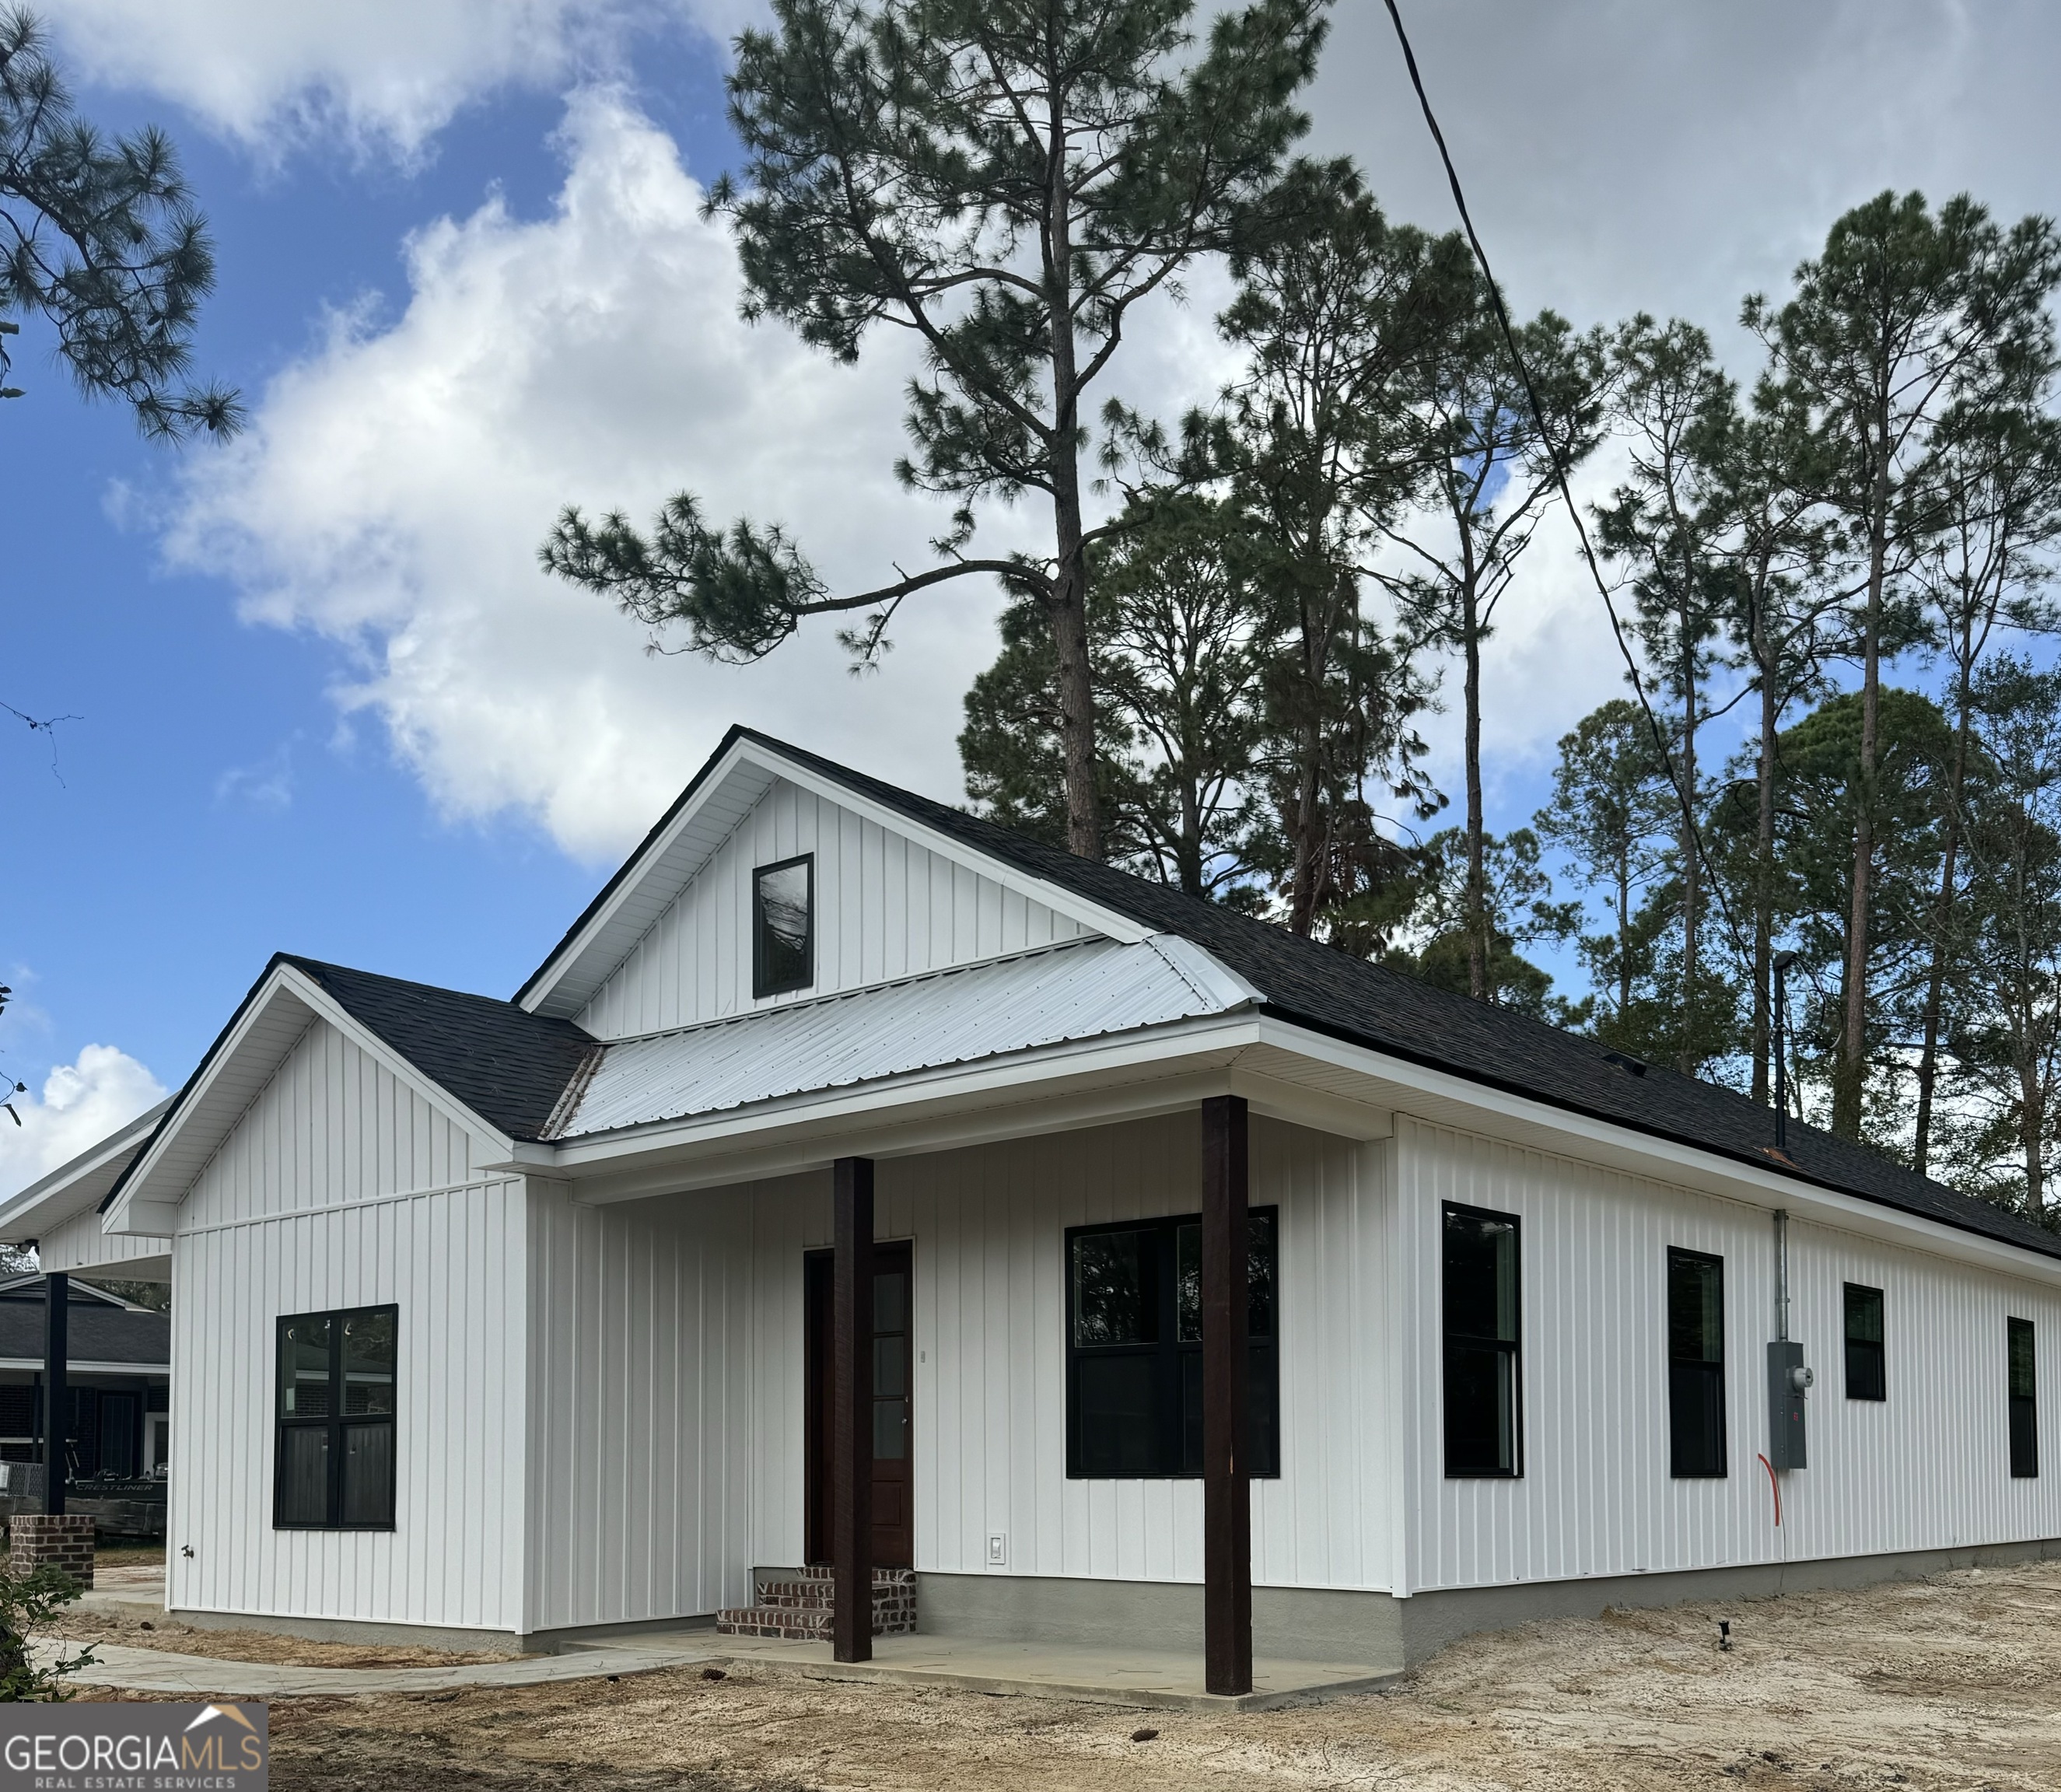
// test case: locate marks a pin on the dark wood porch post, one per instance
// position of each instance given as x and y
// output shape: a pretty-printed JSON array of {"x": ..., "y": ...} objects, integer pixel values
[
  {"x": 57, "y": 1304},
  {"x": 1226, "y": 1372},
  {"x": 851, "y": 1413}
]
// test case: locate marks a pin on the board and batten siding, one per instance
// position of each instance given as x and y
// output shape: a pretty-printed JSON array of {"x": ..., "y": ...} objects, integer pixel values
[
  {"x": 333, "y": 1124},
  {"x": 668, "y": 1379},
  {"x": 885, "y": 907},
  {"x": 1929, "y": 1469},
  {"x": 78, "y": 1243},
  {"x": 342, "y": 1187}
]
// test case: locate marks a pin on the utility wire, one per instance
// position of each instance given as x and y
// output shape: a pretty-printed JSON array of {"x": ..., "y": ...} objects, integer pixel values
[{"x": 1566, "y": 497}]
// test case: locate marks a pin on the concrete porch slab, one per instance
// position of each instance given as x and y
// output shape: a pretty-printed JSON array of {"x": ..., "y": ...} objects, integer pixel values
[{"x": 1149, "y": 1679}]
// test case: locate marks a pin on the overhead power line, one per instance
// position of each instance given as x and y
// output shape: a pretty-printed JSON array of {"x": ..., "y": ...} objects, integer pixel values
[{"x": 1567, "y": 496}]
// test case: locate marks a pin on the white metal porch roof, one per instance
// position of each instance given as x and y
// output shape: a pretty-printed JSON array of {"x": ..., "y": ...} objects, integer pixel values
[{"x": 1079, "y": 990}]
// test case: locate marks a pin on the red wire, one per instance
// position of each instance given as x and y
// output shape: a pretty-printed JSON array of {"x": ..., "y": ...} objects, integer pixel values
[{"x": 1776, "y": 1486}]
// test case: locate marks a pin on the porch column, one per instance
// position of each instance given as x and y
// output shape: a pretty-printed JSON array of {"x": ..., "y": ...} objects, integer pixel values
[
  {"x": 56, "y": 1302},
  {"x": 1227, "y": 1371},
  {"x": 851, "y": 1413}
]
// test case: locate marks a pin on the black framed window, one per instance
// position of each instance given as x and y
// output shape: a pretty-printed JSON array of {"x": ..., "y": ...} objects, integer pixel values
[
  {"x": 783, "y": 930},
  {"x": 1134, "y": 1349},
  {"x": 2024, "y": 1393},
  {"x": 1696, "y": 1364},
  {"x": 335, "y": 1422},
  {"x": 1867, "y": 1375},
  {"x": 1483, "y": 1388}
]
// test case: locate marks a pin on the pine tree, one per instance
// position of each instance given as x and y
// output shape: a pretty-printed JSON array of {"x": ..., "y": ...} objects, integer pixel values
[
  {"x": 1904, "y": 318},
  {"x": 102, "y": 241},
  {"x": 1008, "y": 180}
]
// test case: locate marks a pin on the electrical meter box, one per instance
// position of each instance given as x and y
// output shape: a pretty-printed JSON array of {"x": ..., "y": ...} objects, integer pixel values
[{"x": 1787, "y": 1381}]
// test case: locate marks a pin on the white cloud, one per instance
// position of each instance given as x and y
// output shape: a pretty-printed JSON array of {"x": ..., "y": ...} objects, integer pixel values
[
  {"x": 80, "y": 1104},
  {"x": 397, "y": 482},
  {"x": 384, "y": 75}
]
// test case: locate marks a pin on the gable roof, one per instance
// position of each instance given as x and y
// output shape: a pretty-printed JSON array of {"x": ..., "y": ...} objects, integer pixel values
[
  {"x": 1366, "y": 1004},
  {"x": 99, "y": 1328},
  {"x": 501, "y": 1063},
  {"x": 510, "y": 1066},
  {"x": 77, "y": 1187},
  {"x": 744, "y": 766}
]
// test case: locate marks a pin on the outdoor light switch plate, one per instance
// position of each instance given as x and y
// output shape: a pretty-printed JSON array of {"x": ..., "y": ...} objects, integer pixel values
[{"x": 998, "y": 1548}]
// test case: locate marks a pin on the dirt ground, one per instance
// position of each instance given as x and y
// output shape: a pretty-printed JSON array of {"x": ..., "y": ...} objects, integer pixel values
[
  {"x": 81, "y": 1626},
  {"x": 1949, "y": 1683}
]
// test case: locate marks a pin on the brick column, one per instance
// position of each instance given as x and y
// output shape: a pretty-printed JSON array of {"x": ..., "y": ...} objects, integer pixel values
[{"x": 62, "y": 1539}]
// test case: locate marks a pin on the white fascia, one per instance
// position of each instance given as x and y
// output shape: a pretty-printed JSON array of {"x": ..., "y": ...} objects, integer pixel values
[
  {"x": 1074, "y": 907},
  {"x": 152, "y": 1212},
  {"x": 1526, "y": 1120}
]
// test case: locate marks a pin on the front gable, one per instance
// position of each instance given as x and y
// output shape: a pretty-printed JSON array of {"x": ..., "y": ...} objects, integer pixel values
[
  {"x": 669, "y": 942},
  {"x": 298, "y": 1104}
]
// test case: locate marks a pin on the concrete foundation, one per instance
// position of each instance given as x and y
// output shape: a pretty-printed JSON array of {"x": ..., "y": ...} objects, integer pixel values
[
  {"x": 1292, "y": 1625},
  {"x": 1339, "y": 1624}
]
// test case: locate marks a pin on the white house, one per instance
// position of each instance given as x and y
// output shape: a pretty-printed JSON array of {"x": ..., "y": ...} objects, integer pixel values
[{"x": 534, "y": 1318}]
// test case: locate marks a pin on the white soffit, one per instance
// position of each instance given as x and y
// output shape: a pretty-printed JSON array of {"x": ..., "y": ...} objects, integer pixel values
[
  {"x": 76, "y": 1187},
  {"x": 284, "y": 1006},
  {"x": 1085, "y": 989},
  {"x": 667, "y": 865}
]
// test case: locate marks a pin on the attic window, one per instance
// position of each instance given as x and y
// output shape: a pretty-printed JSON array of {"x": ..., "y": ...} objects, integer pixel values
[{"x": 783, "y": 955}]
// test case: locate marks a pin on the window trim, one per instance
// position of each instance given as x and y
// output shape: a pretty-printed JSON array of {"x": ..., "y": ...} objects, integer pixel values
[
  {"x": 1849, "y": 1343},
  {"x": 2026, "y": 1466},
  {"x": 1171, "y": 1224},
  {"x": 1723, "y": 1470},
  {"x": 762, "y": 986},
  {"x": 1513, "y": 1347},
  {"x": 334, "y": 1422}
]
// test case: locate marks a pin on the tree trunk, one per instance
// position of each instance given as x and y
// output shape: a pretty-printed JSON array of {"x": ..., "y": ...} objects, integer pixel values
[
  {"x": 1850, "y": 1081},
  {"x": 1943, "y": 916},
  {"x": 1691, "y": 864},
  {"x": 1477, "y": 902},
  {"x": 1067, "y": 599},
  {"x": 1763, "y": 860}
]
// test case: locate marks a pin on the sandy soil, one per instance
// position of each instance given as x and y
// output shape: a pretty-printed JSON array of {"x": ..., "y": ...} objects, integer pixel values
[
  {"x": 81, "y": 1625},
  {"x": 1952, "y": 1683}
]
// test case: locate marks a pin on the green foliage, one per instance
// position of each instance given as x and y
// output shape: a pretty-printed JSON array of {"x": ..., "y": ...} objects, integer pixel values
[
  {"x": 1178, "y": 638},
  {"x": 2001, "y": 1124},
  {"x": 1516, "y": 896},
  {"x": 28, "y": 1603},
  {"x": 101, "y": 239},
  {"x": 1007, "y": 180}
]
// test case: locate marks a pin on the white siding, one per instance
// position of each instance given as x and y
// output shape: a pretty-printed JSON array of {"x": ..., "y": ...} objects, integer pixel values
[
  {"x": 332, "y": 1126},
  {"x": 668, "y": 1375},
  {"x": 1928, "y": 1469},
  {"x": 886, "y": 907},
  {"x": 342, "y": 1186},
  {"x": 78, "y": 1243},
  {"x": 452, "y": 1263},
  {"x": 642, "y": 1405}
]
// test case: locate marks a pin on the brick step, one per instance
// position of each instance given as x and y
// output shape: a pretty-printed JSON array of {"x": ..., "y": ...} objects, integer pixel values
[{"x": 799, "y": 1603}]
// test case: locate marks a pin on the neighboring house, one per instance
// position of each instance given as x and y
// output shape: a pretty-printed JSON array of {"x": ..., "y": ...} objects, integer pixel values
[
  {"x": 118, "y": 1375},
  {"x": 537, "y": 1316}
]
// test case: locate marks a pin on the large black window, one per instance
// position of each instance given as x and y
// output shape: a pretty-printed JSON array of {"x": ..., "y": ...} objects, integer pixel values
[
  {"x": 2024, "y": 1393},
  {"x": 783, "y": 934},
  {"x": 1867, "y": 1376},
  {"x": 1695, "y": 1363},
  {"x": 336, "y": 1420},
  {"x": 1134, "y": 1349},
  {"x": 1484, "y": 1414}
]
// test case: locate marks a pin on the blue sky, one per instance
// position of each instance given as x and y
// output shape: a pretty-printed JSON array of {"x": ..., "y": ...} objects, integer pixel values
[{"x": 325, "y": 702}]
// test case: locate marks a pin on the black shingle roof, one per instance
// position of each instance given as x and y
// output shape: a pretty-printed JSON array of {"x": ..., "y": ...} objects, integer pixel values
[
  {"x": 508, "y": 1065},
  {"x": 95, "y": 1332},
  {"x": 1351, "y": 999}
]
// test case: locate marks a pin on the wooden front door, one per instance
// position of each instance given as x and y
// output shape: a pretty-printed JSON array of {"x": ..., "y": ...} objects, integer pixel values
[{"x": 893, "y": 1357}]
